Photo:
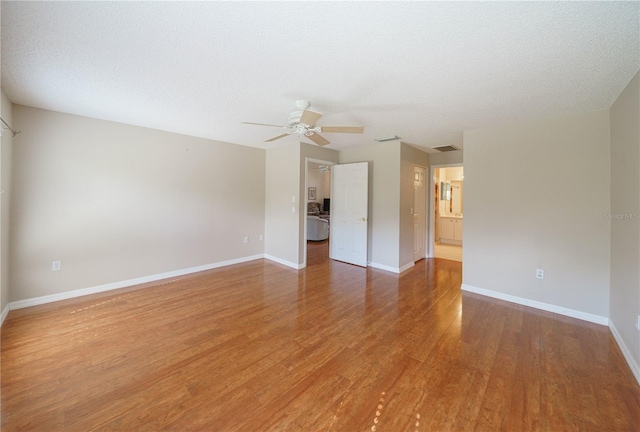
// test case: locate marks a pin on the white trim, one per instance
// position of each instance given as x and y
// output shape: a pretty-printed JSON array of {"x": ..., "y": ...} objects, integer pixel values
[
  {"x": 383, "y": 267},
  {"x": 285, "y": 262},
  {"x": 396, "y": 270},
  {"x": 123, "y": 284},
  {"x": 406, "y": 267},
  {"x": 585, "y": 316},
  {"x": 5, "y": 312},
  {"x": 625, "y": 351}
]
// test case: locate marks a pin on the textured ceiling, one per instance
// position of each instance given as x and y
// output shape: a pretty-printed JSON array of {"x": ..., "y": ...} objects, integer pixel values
[{"x": 424, "y": 71}]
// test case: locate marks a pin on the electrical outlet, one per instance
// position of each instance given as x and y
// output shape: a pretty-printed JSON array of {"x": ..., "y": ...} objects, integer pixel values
[
  {"x": 638, "y": 322},
  {"x": 246, "y": 239},
  {"x": 293, "y": 209},
  {"x": 55, "y": 266},
  {"x": 261, "y": 237},
  {"x": 539, "y": 273}
]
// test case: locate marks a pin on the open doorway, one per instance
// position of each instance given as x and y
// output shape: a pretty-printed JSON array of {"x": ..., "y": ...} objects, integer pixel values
[
  {"x": 447, "y": 212},
  {"x": 318, "y": 211}
]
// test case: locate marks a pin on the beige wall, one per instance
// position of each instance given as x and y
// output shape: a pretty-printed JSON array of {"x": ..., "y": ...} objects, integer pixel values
[
  {"x": 316, "y": 179},
  {"x": 625, "y": 226},
  {"x": 115, "y": 202},
  {"x": 384, "y": 199},
  {"x": 6, "y": 148},
  {"x": 519, "y": 218},
  {"x": 451, "y": 173},
  {"x": 446, "y": 158},
  {"x": 410, "y": 157},
  {"x": 282, "y": 193}
]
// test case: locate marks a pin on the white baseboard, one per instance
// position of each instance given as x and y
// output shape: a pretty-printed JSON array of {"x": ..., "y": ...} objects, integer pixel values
[
  {"x": 597, "y": 319},
  {"x": 5, "y": 312},
  {"x": 406, "y": 267},
  {"x": 284, "y": 262},
  {"x": 116, "y": 285},
  {"x": 383, "y": 267},
  {"x": 625, "y": 351},
  {"x": 389, "y": 268}
]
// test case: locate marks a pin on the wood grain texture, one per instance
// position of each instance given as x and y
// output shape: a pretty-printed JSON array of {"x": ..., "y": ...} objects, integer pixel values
[{"x": 334, "y": 347}]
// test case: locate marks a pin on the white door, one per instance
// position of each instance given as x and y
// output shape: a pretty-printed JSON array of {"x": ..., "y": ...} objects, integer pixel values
[
  {"x": 349, "y": 217},
  {"x": 419, "y": 213}
]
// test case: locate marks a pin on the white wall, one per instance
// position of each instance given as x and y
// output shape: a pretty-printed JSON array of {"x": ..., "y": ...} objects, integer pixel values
[
  {"x": 384, "y": 200},
  {"x": 115, "y": 202},
  {"x": 625, "y": 225},
  {"x": 536, "y": 195},
  {"x": 6, "y": 149}
]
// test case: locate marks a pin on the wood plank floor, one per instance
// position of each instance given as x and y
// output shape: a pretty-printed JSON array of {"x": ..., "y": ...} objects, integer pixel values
[{"x": 259, "y": 346}]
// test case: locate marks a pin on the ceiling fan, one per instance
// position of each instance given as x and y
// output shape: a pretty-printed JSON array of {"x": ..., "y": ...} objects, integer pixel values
[{"x": 303, "y": 123}]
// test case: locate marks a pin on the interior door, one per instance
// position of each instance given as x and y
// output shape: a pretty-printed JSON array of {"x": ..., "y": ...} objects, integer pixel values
[
  {"x": 419, "y": 213},
  {"x": 349, "y": 217}
]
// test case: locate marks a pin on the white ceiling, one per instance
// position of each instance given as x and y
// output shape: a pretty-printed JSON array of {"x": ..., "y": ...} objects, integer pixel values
[{"x": 424, "y": 71}]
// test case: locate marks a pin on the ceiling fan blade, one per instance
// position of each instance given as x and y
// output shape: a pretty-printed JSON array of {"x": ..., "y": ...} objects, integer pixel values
[
  {"x": 276, "y": 138},
  {"x": 309, "y": 117},
  {"x": 342, "y": 129},
  {"x": 318, "y": 139},
  {"x": 262, "y": 124}
]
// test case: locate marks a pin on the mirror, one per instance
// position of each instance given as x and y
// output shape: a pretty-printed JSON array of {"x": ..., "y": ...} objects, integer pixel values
[{"x": 445, "y": 191}]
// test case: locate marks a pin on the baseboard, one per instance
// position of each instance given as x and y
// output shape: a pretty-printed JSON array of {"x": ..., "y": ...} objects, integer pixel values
[
  {"x": 127, "y": 283},
  {"x": 406, "y": 267},
  {"x": 396, "y": 270},
  {"x": 597, "y": 319},
  {"x": 5, "y": 312},
  {"x": 383, "y": 267},
  {"x": 284, "y": 262},
  {"x": 625, "y": 351}
]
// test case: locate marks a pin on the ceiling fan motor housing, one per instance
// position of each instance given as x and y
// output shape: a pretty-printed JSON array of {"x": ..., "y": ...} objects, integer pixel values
[{"x": 294, "y": 118}]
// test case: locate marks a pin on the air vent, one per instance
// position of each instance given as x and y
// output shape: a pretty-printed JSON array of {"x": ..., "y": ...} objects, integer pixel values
[{"x": 446, "y": 148}]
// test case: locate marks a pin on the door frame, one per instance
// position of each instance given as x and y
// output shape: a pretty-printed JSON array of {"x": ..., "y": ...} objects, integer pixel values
[
  {"x": 427, "y": 183},
  {"x": 432, "y": 219},
  {"x": 307, "y": 161}
]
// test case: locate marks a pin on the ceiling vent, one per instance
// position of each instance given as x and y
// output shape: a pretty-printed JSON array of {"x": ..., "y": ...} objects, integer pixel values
[
  {"x": 446, "y": 148},
  {"x": 385, "y": 139}
]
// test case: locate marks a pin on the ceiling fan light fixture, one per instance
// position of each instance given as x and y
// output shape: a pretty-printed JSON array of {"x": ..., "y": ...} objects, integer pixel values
[{"x": 385, "y": 139}]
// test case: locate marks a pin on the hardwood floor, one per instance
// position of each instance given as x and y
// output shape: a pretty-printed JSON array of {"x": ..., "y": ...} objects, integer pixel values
[{"x": 333, "y": 347}]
